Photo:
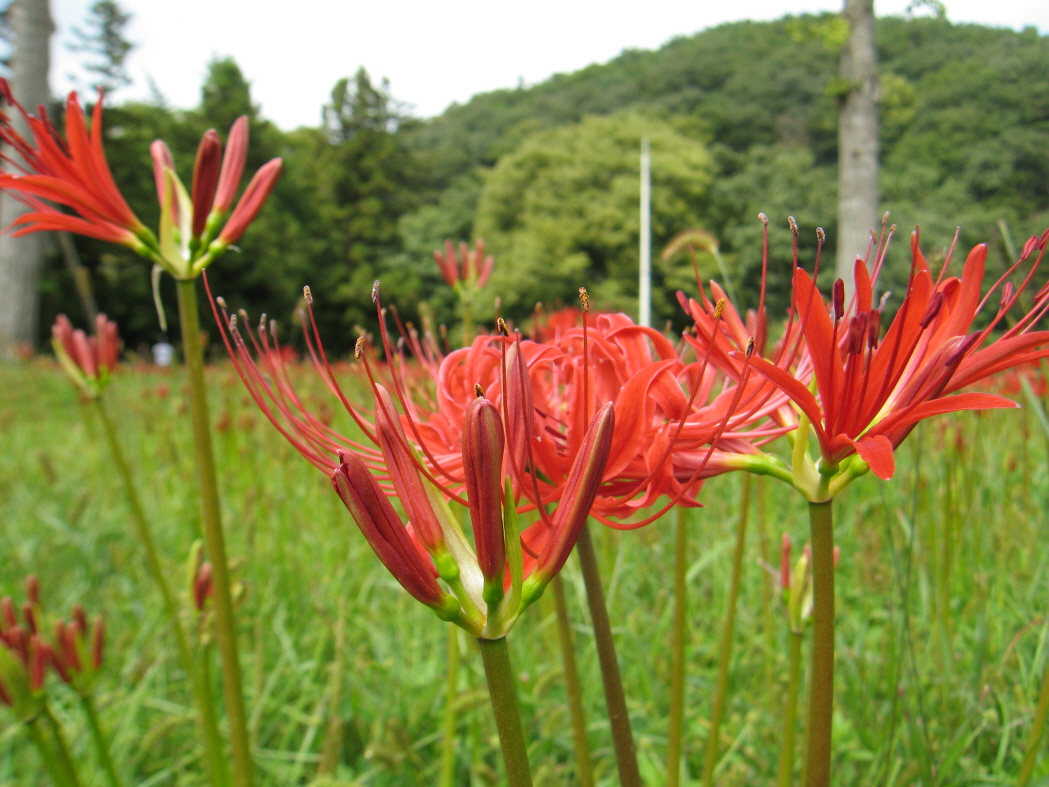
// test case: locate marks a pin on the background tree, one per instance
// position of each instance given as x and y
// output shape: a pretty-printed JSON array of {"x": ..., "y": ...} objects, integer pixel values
[
  {"x": 562, "y": 212},
  {"x": 104, "y": 40},
  {"x": 857, "y": 137},
  {"x": 21, "y": 258}
]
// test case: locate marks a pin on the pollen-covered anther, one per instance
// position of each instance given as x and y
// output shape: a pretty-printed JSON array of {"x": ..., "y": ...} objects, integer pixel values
[
  {"x": 375, "y": 292},
  {"x": 763, "y": 219},
  {"x": 358, "y": 348},
  {"x": 584, "y": 299},
  {"x": 821, "y": 236},
  {"x": 719, "y": 308},
  {"x": 885, "y": 218},
  {"x": 262, "y": 322},
  {"x": 478, "y": 391},
  {"x": 500, "y": 325},
  {"x": 233, "y": 323},
  {"x": 793, "y": 224},
  {"x": 307, "y": 295},
  {"x": 221, "y": 302},
  {"x": 750, "y": 346}
]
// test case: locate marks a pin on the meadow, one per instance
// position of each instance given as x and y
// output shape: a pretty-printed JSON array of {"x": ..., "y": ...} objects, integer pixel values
[{"x": 941, "y": 616}]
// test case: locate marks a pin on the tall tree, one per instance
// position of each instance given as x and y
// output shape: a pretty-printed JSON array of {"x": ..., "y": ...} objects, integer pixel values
[
  {"x": 21, "y": 258},
  {"x": 857, "y": 137},
  {"x": 104, "y": 39}
]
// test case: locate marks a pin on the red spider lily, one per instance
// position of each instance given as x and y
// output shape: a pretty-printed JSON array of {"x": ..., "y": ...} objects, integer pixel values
[
  {"x": 24, "y": 656},
  {"x": 431, "y": 548},
  {"x": 77, "y": 653},
  {"x": 88, "y": 360},
  {"x": 73, "y": 173},
  {"x": 871, "y": 389},
  {"x": 470, "y": 269}
]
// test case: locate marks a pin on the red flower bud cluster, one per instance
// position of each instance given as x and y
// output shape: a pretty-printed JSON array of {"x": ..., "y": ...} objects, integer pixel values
[
  {"x": 88, "y": 360},
  {"x": 471, "y": 268}
]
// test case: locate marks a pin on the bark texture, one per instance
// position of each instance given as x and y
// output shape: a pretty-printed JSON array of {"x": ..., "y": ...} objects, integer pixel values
[
  {"x": 857, "y": 138},
  {"x": 21, "y": 258}
]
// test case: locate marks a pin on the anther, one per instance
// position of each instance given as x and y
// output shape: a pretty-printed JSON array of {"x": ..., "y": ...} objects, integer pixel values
[
  {"x": 375, "y": 292},
  {"x": 307, "y": 295},
  {"x": 821, "y": 236},
  {"x": 1007, "y": 292},
  {"x": 584, "y": 299},
  {"x": 358, "y": 348},
  {"x": 478, "y": 391},
  {"x": 750, "y": 346},
  {"x": 262, "y": 322},
  {"x": 763, "y": 219},
  {"x": 839, "y": 299},
  {"x": 857, "y": 333},
  {"x": 793, "y": 224},
  {"x": 221, "y": 302},
  {"x": 932, "y": 310},
  {"x": 885, "y": 218},
  {"x": 500, "y": 325},
  {"x": 873, "y": 327},
  {"x": 232, "y": 323},
  {"x": 719, "y": 307},
  {"x": 273, "y": 328},
  {"x": 243, "y": 314}
]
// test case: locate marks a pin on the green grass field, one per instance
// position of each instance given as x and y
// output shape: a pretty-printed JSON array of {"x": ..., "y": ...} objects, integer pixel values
[{"x": 942, "y": 599}]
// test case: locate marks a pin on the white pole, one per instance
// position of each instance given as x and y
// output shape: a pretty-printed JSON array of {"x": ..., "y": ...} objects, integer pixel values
[{"x": 644, "y": 290}]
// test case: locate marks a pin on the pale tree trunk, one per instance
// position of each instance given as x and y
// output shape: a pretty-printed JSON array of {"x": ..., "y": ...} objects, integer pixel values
[
  {"x": 21, "y": 258},
  {"x": 857, "y": 138}
]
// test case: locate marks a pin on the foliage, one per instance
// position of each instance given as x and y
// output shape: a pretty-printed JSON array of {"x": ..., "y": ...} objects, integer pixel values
[
  {"x": 568, "y": 196},
  {"x": 104, "y": 39}
]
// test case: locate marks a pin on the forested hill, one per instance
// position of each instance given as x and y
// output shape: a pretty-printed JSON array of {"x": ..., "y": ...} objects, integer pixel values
[{"x": 742, "y": 119}]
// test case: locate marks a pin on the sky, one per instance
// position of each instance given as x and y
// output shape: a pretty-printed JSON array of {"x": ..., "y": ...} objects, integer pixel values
[{"x": 433, "y": 53}]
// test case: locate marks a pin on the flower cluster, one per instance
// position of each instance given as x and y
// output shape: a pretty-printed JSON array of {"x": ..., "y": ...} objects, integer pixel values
[
  {"x": 195, "y": 226},
  {"x": 87, "y": 360},
  {"x": 469, "y": 270}
]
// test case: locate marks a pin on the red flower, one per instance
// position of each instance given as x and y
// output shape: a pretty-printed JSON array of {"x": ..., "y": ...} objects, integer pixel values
[
  {"x": 871, "y": 390},
  {"x": 88, "y": 360},
  {"x": 473, "y": 270},
  {"x": 74, "y": 174}
]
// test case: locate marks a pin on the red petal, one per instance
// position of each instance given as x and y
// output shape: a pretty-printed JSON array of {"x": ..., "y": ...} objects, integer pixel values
[{"x": 877, "y": 452}]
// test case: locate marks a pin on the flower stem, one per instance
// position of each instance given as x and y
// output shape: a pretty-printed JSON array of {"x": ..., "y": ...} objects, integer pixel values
[
  {"x": 211, "y": 520},
  {"x": 64, "y": 761},
  {"x": 615, "y": 700},
  {"x": 728, "y": 631},
  {"x": 821, "y": 686},
  {"x": 101, "y": 744},
  {"x": 1035, "y": 736},
  {"x": 677, "y": 648},
  {"x": 206, "y": 709},
  {"x": 54, "y": 766},
  {"x": 583, "y": 765},
  {"x": 786, "y": 752},
  {"x": 448, "y": 739},
  {"x": 503, "y": 691}
]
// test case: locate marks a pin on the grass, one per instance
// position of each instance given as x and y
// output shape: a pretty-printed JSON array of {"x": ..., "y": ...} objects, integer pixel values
[{"x": 942, "y": 608}]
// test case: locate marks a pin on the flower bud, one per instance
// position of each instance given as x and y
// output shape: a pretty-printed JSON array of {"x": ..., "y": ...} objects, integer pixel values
[{"x": 482, "y": 466}]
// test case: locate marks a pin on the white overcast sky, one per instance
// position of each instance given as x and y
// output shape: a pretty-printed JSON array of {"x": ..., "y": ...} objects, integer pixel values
[{"x": 434, "y": 53}]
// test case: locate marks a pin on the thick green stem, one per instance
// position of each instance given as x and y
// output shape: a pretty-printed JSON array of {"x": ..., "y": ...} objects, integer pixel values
[
  {"x": 821, "y": 685},
  {"x": 202, "y": 697},
  {"x": 786, "y": 752},
  {"x": 451, "y": 691},
  {"x": 677, "y": 648},
  {"x": 728, "y": 631},
  {"x": 98, "y": 737},
  {"x": 1035, "y": 736},
  {"x": 64, "y": 762},
  {"x": 47, "y": 754},
  {"x": 503, "y": 690},
  {"x": 211, "y": 521},
  {"x": 615, "y": 700},
  {"x": 583, "y": 763}
]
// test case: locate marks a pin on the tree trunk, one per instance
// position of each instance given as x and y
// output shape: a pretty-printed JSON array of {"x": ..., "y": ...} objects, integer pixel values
[
  {"x": 857, "y": 138},
  {"x": 21, "y": 258}
]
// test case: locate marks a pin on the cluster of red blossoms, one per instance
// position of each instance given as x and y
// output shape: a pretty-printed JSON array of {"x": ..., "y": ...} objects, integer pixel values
[{"x": 75, "y": 652}]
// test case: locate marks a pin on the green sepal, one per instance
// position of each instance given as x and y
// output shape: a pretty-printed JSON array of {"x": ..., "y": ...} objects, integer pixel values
[{"x": 174, "y": 240}]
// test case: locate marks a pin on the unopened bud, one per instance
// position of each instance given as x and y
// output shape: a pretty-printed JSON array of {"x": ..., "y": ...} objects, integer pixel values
[
  {"x": 307, "y": 295},
  {"x": 375, "y": 292},
  {"x": 32, "y": 587},
  {"x": 584, "y": 299},
  {"x": 839, "y": 299}
]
